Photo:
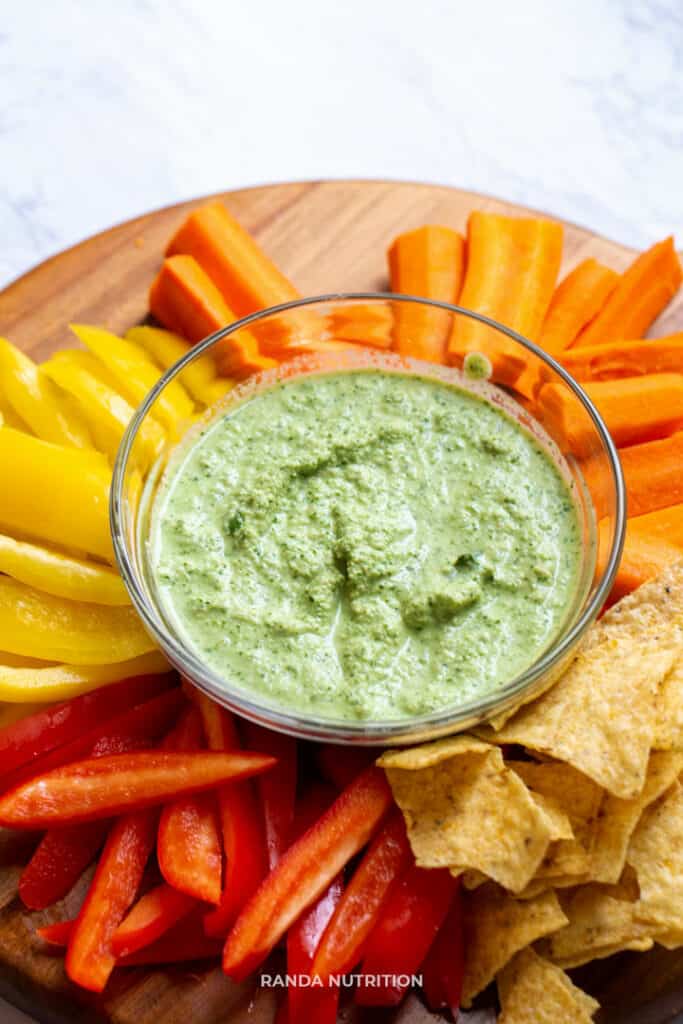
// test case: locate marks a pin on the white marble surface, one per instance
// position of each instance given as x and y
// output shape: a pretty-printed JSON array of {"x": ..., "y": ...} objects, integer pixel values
[{"x": 109, "y": 109}]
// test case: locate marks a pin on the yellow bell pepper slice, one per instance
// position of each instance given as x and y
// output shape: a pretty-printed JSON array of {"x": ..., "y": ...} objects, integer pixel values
[
  {"x": 37, "y": 401},
  {"x": 167, "y": 348},
  {"x": 136, "y": 374},
  {"x": 41, "y": 625},
  {"x": 105, "y": 410},
  {"x": 61, "y": 575},
  {"x": 55, "y": 493},
  {"x": 217, "y": 389},
  {"x": 9, "y": 418},
  {"x": 61, "y": 682}
]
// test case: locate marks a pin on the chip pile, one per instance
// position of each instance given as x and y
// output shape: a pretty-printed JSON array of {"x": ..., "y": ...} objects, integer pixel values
[{"x": 570, "y": 848}]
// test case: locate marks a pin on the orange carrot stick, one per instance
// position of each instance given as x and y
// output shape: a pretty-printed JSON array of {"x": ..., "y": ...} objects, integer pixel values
[
  {"x": 653, "y": 541},
  {"x": 635, "y": 409},
  {"x": 512, "y": 267},
  {"x": 625, "y": 358},
  {"x": 362, "y": 324},
  {"x": 643, "y": 291},
  {"x": 428, "y": 262},
  {"x": 578, "y": 298},
  {"x": 654, "y": 474},
  {"x": 247, "y": 279},
  {"x": 184, "y": 299}
]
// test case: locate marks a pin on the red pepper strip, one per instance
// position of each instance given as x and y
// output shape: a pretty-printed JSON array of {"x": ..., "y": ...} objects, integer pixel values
[
  {"x": 89, "y": 958},
  {"x": 241, "y": 819},
  {"x": 443, "y": 968},
  {"x": 105, "y": 786},
  {"x": 138, "y": 727},
  {"x": 29, "y": 738},
  {"x": 341, "y": 765},
  {"x": 186, "y": 941},
  {"x": 152, "y": 916},
  {"x": 59, "y": 861},
  {"x": 57, "y": 934},
  {"x": 312, "y": 1004},
  {"x": 401, "y": 938},
  {"x": 277, "y": 789},
  {"x": 360, "y": 908},
  {"x": 305, "y": 871}
]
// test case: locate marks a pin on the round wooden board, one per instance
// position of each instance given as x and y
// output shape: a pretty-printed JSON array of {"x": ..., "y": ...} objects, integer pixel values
[{"x": 326, "y": 236}]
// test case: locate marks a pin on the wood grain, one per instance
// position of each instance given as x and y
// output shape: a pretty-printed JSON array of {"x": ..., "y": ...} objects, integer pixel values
[{"x": 327, "y": 236}]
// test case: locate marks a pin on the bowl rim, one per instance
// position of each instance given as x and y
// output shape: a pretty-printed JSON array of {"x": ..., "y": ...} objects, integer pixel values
[{"x": 347, "y": 731}]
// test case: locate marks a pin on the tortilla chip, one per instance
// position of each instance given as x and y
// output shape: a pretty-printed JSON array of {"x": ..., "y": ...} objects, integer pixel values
[
  {"x": 669, "y": 716},
  {"x": 618, "y": 818},
  {"x": 656, "y": 853},
  {"x": 542, "y": 883},
  {"x": 560, "y": 825},
  {"x": 645, "y": 611},
  {"x": 600, "y": 923},
  {"x": 534, "y": 991},
  {"x": 496, "y": 927},
  {"x": 464, "y": 809}
]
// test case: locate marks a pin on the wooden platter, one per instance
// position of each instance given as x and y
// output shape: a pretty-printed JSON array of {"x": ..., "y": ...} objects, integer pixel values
[{"x": 327, "y": 236}]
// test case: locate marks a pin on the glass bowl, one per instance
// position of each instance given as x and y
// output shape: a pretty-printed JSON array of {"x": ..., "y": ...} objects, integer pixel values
[{"x": 524, "y": 381}]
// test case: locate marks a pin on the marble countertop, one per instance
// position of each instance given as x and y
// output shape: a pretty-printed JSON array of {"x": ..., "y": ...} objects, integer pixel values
[{"x": 108, "y": 110}]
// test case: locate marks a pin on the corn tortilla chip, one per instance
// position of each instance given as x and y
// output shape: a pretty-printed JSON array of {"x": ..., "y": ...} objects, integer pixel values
[
  {"x": 464, "y": 809},
  {"x": 534, "y": 991},
  {"x": 669, "y": 714},
  {"x": 656, "y": 853},
  {"x": 600, "y": 923},
  {"x": 544, "y": 883},
  {"x": 498, "y": 926}
]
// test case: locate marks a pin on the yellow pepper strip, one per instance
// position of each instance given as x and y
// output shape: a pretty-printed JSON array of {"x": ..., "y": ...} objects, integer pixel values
[
  {"x": 167, "y": 348},
  {"x": 38, "y": 402},
  {"x": 61, "y": 682},
  {"x": 59, "y": 574},
  {"x": 105, "y": 410},
  {"x": 10, "y": 713},
  {"x": 136, "y": 374},
  {"x": 55, "y": 493},
  {"x": 218, "y": 389},
  {"x": 9, "y": 418},
  {"x": 41, "y": 625}
]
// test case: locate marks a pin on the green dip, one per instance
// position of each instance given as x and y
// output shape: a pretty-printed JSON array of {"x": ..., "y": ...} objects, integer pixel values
[{"x": 366, "y": 545}]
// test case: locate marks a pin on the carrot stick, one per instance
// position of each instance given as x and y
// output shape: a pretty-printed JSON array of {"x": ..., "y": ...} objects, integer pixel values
[
  {"x": 625, "y": 358},
  {"x": 241, "y": 271},
  {"x": 635, "y": 409},
  {"x": 643, "y": 291},
  {"x": 428, "y": 262},
  {"x": 184, "y": 299},
  {"x": 653, "y": 541},
  {"x": 578, "y": 298},
  {"x": 362, "y": 324},
  {"x": 653, "y": 474},
  {"x": 512, "y": 267}
]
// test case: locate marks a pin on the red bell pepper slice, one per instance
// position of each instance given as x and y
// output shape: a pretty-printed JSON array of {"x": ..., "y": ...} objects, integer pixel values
[
  {"x": 105, "y": 786},
  {"x": 443, "y": 968},
  {"x": 57, "y": 934},
  {"x": 398, "y": 944},
  {"x": 305, "y": 871},
  {"x": 361, "y": 905},
  {"x": 30, "y": 738},
  {"x": 152, "y": 916},
  {"x": 59, "y": 861},
  {"x": 341, "y": 765},
  {"x": 277, "y": 789},
  {"x": 186, "y": 941},
  {"x": 136, "y": 728},
  {"x": 241, "y": 825},
  {"x": 312, "y": 1003},
  {"x": 89, "y": 958}
]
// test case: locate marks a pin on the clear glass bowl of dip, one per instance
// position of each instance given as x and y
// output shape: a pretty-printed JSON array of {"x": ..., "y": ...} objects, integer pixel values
[{"x": 364, "y": 331}]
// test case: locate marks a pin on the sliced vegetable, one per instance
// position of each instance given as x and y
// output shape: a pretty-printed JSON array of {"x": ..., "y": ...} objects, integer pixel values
[
  {"x": 652, "y": 472},
  {"x": 577, "y": 299},
  {"x": 60, "y": 682},
  {"x": 89, "y": 958},
  {"x": 443, "y": 968},
  {"x": 341, "y": 765},
  {"x": 246, "y": 278},
  {"x": 653, "y": 542},
  {"x": 186, "y": 941},
  {"x": 73, "y": 479},
  {"x": 307, "y": 1004},
  {"x": 641, "y": 294},
  {"x": 360, "y": 907},
  {"x": 57, "y": 934},
  {"x": 38, "y": 402},
  {"x": 512, "y": 267},
  {"x": 59, "y": 861},
  {"x": 277, "y": 789},
  {"x": 416, "y": 908},
  {"x": 625, "y": 358},
  {"x": 362, "y": 324},
  {"x": 35, "y": 623},
  {"x": 428, "y": 262},
  {"x": 199, "y": 377},
  {"x": 61, "y": 575},
  {"x": 105, "y": 786},
  {"x": 305, "y": 871},
  {"x": 153, "y": 915}
]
